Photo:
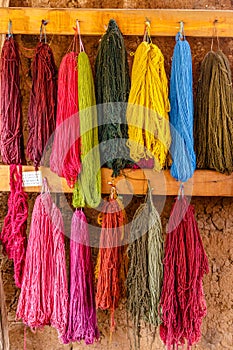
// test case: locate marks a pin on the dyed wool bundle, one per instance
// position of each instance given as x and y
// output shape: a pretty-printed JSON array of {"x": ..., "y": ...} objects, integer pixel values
[
  {"x": 148, "y": 107},
  {"x": 10, "y": 104},
  {"x": 82, "y": 321},
  {"x": 110, "y": 259},
  {"x": 44, "y": 297},
  {"x": 112, "y": 91},
  {"x": 185, "y": 263},
  {"x": 42, "y": 106},
  {"x": 145, "y": 275},
  {"x": 213, "y": 128},
  {"x": 65, "y": 156},
  {"x": 88, "y": 187},
  {"x": 4, "y": 336},
  {"x": 181, "y": 114},
  {"x": 13, "y": 235}
]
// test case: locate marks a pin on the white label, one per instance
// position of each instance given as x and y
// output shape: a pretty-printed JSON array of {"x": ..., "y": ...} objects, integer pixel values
[{"x": 32, "y": 178}]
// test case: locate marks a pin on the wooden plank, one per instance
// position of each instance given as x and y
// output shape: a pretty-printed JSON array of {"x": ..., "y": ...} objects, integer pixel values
[
  {"x": 164, "y": 22},
  {"x": 56, "y": 183},
  {"x": 3, "y": 3},
  {"x": 203, "y": 183}
]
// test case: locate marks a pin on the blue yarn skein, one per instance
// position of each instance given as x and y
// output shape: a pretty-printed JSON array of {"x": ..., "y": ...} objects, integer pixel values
[{"x": 181, "y": 114}]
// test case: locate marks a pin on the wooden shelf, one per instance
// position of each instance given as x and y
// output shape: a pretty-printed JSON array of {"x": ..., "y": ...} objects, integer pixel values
[
  {"x": 203, "y": 183},
  {"x": 164, "y": 22}
]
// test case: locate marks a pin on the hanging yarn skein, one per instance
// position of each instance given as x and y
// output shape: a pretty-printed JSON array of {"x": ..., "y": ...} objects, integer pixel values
[
  {"x": 10, "y": 103},
  {"x": 112, "y": 83},
  {"x": 148, "y": 106},
  {"x": 65, "y": 157},
  {"x": 181, "y": 114},
  {"x": 44, "y": 296},
  {"x": 183, "y": 304},
  {"x": 87, "y": 189},
  {"x": 145, "y": 275},
  {"x": 13, "y": 235},
  {"x": 43, "y": 99},
  {"x": 213, "y": 122},
  {"x": 82, "y": 321},
  {"x": 111, "y": 258}
]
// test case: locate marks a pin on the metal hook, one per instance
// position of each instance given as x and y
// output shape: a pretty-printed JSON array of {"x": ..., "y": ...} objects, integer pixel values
[
  {"x": 148, "y": 185},
  {"x": 181, "y": 27},
  {"x": 148, "y": 21},
  {"x": 215, "y": 34},
  {"x": 181, "y": 191},
  {"x": 181, "y": 30},
  {"x": 146, "y": 36},
  {"x": 45, "y": 186},
  {"x": 215, "y": 27},
  {"x": 10, "y": 34},
  {"x": 112, "y": 182},
  {"x": 81, "y": 46},
  {"x": 44, "y": 22},
  {"x": 113, "y": 192},
  {"x": 149, "y": 188}
]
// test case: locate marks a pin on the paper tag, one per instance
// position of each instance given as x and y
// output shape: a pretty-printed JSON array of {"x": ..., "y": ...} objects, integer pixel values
[{"x": 32, "y": 178}]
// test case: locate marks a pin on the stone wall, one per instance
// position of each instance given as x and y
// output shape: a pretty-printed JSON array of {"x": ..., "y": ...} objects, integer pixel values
[{"x": 214, "y": 215}]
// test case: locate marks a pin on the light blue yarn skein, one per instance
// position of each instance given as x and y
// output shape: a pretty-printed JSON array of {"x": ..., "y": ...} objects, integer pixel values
[{"x": 181, "y": 114}]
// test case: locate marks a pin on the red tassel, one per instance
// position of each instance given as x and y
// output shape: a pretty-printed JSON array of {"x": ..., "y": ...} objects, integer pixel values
[
  {"x": 65, "y": 156},
  {"x": 185, "y": 263},
  {"x": 10, "y": 104},
  {"x": 44, "y": 295},
  {"x": 13, "y": 235},
  {"x": 42, "y": 107}
]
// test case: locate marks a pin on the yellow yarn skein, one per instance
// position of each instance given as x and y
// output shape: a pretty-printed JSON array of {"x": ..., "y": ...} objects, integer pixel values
[{"x": 148, "y": 107}]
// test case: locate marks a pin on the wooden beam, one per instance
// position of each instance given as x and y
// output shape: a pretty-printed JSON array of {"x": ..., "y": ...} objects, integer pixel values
[
  {"x": 203, "y": 183},
  {"x": 3, "y": 3},
  {"x": 164, "y": 22}
]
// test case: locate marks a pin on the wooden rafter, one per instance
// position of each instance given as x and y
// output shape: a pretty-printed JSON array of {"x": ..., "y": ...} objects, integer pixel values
[{"x": 164, "y": 22}]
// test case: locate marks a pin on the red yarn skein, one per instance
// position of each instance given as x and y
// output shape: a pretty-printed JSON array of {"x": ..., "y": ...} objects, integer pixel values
[
  {"x": 42, "y": 106},
  {"x": 65, "y": 157},
  {"x": 185, "y": 263},
  {"x": 13, "y": 235},
  {"x": 10, "y": 104}
]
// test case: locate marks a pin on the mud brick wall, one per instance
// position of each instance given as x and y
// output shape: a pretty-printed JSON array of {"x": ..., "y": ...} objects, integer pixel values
[{"x": 214, "y": 215}]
